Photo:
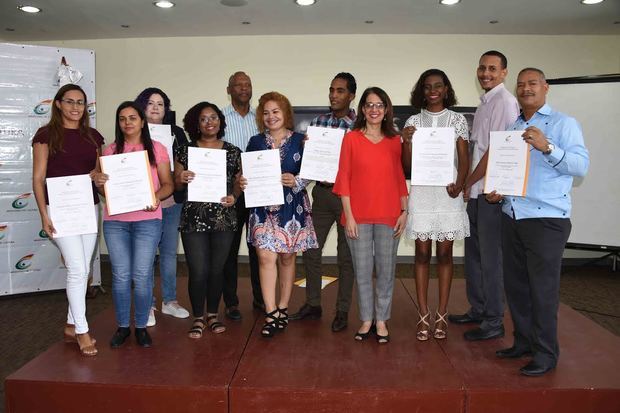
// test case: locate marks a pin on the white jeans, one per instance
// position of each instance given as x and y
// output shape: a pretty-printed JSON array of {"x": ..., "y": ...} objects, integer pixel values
[{"x": 77, "y": 252}]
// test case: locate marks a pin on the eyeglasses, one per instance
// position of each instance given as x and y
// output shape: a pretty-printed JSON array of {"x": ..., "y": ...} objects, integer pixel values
[
  {"x": 378, "y": 106},
  {"x": 72, "y": 102},
  {"x": 214, "y": 118}
]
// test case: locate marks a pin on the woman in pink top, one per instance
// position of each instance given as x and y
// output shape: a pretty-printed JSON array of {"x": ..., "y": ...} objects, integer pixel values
[
  {"x": 132, "y": 237},
  {"x": 373, "y": 191}
]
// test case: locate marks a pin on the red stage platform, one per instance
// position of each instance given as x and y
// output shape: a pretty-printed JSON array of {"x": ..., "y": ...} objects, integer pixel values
[{"x": 310, "y": 369}]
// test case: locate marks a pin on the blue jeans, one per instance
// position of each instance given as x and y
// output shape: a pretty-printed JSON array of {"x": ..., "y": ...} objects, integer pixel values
[
  {"x": 168, "y": 252},
  {"x": 132, "y": 246}
]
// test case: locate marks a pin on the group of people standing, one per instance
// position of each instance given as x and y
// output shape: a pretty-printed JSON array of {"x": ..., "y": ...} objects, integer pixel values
[{"x": 369, "y": 202}]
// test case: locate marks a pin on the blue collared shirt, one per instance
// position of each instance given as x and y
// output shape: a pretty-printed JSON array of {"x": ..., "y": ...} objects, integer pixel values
[
  {"x": 328, "y": 120},
  {"x": 551, "y": 176},
  {"x": 239, "y": 129}
]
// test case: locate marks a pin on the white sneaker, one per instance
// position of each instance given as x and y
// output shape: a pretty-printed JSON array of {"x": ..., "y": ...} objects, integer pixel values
[
  {"x": 152, "y": 320},
  {"x": 174, "y": 309}
]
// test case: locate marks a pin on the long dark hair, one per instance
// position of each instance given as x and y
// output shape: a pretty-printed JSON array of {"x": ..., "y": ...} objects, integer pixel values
[
  {"x": 119, "y": 138},
  {"x": 56, "y": 128},
  {"x": 417, "y": 94},
  {"x": 387, "y": 124}
]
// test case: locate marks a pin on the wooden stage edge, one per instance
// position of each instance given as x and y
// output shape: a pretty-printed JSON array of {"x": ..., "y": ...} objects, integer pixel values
[{"x": 310, "y": 369}]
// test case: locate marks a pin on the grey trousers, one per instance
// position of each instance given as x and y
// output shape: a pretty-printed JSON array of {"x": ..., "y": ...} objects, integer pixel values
[
  {"x": 483, "y": 262},
  {"x": 375, "y": 248},
  {"x": 533, "y": 251},
  {"x": 326, "y": 210}
]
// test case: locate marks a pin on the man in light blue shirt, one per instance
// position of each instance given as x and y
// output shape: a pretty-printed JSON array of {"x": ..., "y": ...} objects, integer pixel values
[
  {"x": 240, "y": 127},
  {"x": 536, "y": 227}
]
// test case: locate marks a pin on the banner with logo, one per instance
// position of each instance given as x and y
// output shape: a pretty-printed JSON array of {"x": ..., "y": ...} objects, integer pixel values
[{"x": 31, "y": 76}]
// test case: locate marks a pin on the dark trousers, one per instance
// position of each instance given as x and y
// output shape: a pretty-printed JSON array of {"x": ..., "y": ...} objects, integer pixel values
[
  {"x": 483, "y": 262},
  {"x": 206, "y": 253},
  {"x": 231, "y": 266},
  {"x": 326, "y": 210},
  {"x": 533, "y": 250}
]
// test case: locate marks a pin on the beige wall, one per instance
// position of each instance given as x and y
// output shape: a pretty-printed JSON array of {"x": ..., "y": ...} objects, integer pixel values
[{"x": 197, "y": 68}]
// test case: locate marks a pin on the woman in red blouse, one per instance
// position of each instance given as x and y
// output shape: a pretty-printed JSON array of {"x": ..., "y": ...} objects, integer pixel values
[{"x": 373, "y": 191}]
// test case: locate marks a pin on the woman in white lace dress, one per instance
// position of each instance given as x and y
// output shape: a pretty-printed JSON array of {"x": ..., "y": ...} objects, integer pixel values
[{"x": 436, "y": 213}]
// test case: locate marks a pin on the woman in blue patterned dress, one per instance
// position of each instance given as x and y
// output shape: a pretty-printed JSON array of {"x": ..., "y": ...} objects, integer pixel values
[{"x": 279, "y": 232}]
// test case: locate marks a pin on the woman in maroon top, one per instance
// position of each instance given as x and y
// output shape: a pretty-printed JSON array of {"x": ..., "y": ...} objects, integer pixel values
[
  {"x": 373, "y": 191},
  {"x": 66, "y": 146}
]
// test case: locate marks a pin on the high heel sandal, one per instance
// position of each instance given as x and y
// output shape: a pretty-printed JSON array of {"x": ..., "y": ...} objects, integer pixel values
[
  {"x": 422, "y": 335},
  {"x": 382, "y": 339},
  {"x": 270, "y": 328},
  {"x": 87, "y": 350},
  {"x": 363, "y": 336},
  {"x": 282, "y": 318},
  {"x": 439, "y": 333}
]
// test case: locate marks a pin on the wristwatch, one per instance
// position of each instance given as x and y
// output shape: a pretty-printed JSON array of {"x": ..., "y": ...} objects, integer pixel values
[{"x": 549, "y": 149}]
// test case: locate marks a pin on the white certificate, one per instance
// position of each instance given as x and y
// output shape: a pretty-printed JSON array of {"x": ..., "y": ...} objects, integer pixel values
[
  {"x": 264, "y": 174},
  {"x": 163, "y": 135},
  {"x": 209, "y": 183},
  {"x": 321, "y": 154},
  {"x": 432, "y": 157},
  {"x": 508, "y": 165},
  {"x": 72, "y": 207},
  {"x": 130, "y": 186}
]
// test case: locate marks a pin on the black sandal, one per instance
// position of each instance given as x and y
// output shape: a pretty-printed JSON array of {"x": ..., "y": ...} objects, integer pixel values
[
  {"x": 270, "y": 328},
  {"x": 216, "y": 327},
  {"x": 198, "y": 327},
  {"x": 282, "y": 318},
  {"x": 363, "y": 336}
]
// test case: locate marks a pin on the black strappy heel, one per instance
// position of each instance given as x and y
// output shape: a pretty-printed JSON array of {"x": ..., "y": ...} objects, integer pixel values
[{"x": 270, "y": 328}]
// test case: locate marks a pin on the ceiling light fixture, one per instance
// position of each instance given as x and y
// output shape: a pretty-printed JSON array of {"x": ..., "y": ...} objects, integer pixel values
[
  {"x": 591, "y": 1},
  {"x": 164, "y": 4},
  {"x": 29, "y": 9},
  {"x": 234, "y": 3},
  {"x": 449, "y": 2},
  {"x": 305, "y": 2}
]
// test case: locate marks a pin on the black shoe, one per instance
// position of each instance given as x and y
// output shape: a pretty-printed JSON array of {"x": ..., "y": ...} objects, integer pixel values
[
  {"x": 311, "y": 312},
  {"x": 143, "y": 338},
  {"x": 463, "y": 319},
  {"x": 479, "y": 334},
  {"x": 534, "y": 369},
  {"x": 258, "y": 305},
  {"x": 233, "y": 313},
  {"x": 512, "y": 353},
  {"x": 282, "y": 318},
  {"x": 340, "y": 321},
  {"x": 120, "y": 336},
  {"x": 270, "y": 328}
]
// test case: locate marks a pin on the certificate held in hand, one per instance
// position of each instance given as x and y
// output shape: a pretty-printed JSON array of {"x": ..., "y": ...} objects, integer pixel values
[
  {"x": 508, "y": 165},
  {"x": 321, "y": 154},
  {"x": 72, "y": 207},
  {"x": 432, "y": 157},
  {"x": 264, "y": 174},
  {"x": 163, "y": 135},
  {"x": 130, "y": 186},
  {"x": 209, "y": 183}
]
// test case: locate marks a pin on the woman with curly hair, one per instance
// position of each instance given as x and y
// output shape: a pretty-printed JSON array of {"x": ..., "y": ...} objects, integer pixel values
[
  {"x": 280, "y": 231},
  {"x": 66, "y": 146},
  {"x": 436, "y": 213},
  {"x": 156, "y": 106},
  {"x": 207, "y": 228}
]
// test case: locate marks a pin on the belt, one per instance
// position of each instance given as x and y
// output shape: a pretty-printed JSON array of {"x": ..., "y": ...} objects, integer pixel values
[{"x": 324, "y": 185}]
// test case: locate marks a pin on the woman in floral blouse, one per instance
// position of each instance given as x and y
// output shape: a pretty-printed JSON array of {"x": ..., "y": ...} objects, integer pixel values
[{"x": 207, "y": 228}]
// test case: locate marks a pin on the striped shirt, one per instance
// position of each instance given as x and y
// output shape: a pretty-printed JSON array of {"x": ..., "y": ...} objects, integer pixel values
[
  {"x": 328, "y": 120},
  {"x": 239, "y": 129}
]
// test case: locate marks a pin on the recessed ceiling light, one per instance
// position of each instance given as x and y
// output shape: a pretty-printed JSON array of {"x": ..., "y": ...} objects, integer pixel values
[
  {"x": 125, "y": 26},
  {"x": 234, "y": 3},
  {"x": 305, "y": 2},
  {"x": 494, "y": 21},
  {"x": 9, "y": 29},
  {"x": 449, "y": 2},
  {"x": 164, "y": 4},
  {"x": 591, "y": 1},
  {"x": 29, "y": 9},
  {"x": 369, "y": 21},
  {"x": 246, "y": 22}
]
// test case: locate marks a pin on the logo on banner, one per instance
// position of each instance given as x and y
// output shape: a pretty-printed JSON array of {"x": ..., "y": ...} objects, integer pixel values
[
  {"x": 43, "y": 234},
  {"x": 25, "y": 262},
  {"x": 21, "y": 201},
  {"x": 3, "y": 231},
  {"x": 92, "y": 109},
  {"x": 43, "y": 107}
]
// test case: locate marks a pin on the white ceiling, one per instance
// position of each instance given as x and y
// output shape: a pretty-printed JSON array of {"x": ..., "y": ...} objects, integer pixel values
[{"x": 102, "y": 19}]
